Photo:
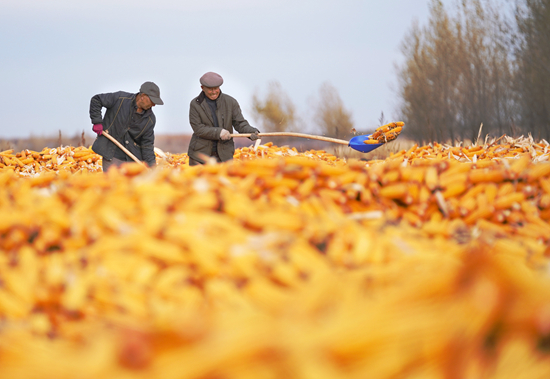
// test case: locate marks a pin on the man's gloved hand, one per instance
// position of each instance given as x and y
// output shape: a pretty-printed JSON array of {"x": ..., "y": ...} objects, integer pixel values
[
  {"x": 98, "y": 128},
  {"x": 225, "y": 135},
  {"x": 254, "y": 136}
]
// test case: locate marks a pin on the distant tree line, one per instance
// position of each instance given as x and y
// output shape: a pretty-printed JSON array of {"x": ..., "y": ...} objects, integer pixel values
[
  {"x": 485, "y": 62},
  {"x": 277, "y": 113}
]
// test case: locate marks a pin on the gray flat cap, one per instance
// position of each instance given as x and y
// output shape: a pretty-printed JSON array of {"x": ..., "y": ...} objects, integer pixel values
[
  {"x": 153, "y": 91},
  {"x": 211, "y": 79}
]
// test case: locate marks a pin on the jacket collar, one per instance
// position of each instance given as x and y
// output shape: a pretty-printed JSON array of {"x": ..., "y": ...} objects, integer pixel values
[{"x": 202, "y": 96}]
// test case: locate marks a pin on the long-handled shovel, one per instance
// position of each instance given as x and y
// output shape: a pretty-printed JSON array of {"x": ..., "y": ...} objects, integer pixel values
[
  {"x": 106, "y": 134},
  {"x": 356, "y": 143}
]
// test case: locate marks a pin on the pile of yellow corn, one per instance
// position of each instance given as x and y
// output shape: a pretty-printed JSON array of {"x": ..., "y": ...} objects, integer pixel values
[
  {"x": 497, "y": 149},
  {"x": 279, "y": 264},
  {"x": 67, "y": 158}
]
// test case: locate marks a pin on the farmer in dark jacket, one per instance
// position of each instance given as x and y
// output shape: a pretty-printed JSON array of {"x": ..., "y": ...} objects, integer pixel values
[
  {"x": 129, "y": 118},
  {"x": 213, "y": 115}
]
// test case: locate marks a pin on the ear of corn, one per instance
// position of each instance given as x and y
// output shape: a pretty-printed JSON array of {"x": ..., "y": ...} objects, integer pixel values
[{"x": 385, "y": 133}]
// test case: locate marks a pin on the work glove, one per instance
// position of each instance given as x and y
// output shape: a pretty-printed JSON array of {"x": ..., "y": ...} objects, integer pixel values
[
  {"x": 254, "y": 136},
  {"x": 98, "y": 128},
  {"x": 225, "y": 135}
]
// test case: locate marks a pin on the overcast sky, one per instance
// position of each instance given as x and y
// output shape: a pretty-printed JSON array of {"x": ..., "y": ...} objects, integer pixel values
[{"x": 57, "y": 54}]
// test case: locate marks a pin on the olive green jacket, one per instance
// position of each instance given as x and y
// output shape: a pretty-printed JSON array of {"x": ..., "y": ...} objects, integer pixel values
[{"x": 204, "y": 132}]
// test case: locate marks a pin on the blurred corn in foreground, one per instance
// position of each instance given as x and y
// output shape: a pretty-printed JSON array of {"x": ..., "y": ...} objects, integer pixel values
[{"x": 432, "y": 263}]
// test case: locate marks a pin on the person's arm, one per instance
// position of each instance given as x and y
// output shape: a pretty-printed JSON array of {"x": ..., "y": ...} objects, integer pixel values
[
  {"x": 99, "y": 101},
  {"x": 200, "y": 129},
  {"x": 239, "y": 122}
]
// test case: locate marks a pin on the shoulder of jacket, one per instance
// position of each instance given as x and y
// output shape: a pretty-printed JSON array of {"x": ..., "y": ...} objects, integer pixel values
[
  {"x": 124, "y": 95},
  {"x": 228, "y": 99}
]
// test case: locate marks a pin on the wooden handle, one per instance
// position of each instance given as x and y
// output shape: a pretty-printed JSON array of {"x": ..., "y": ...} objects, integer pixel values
[
  {"x": 106, "y": 134},
  {"x": 289, "y": 134}
]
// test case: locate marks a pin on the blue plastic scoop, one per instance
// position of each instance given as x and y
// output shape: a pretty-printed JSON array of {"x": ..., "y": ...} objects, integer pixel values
[{"x": 358, "y": 143}]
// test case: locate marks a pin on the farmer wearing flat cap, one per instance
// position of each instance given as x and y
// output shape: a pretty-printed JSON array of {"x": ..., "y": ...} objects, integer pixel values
[
  {"x": 213, "y": 115},
  {"x": 129, "y": 118}
]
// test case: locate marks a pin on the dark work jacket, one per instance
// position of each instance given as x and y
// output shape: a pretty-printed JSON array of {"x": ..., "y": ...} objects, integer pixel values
[
  {"x": 205, "y": 133},
  {"x": 138, "y": 138}
]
